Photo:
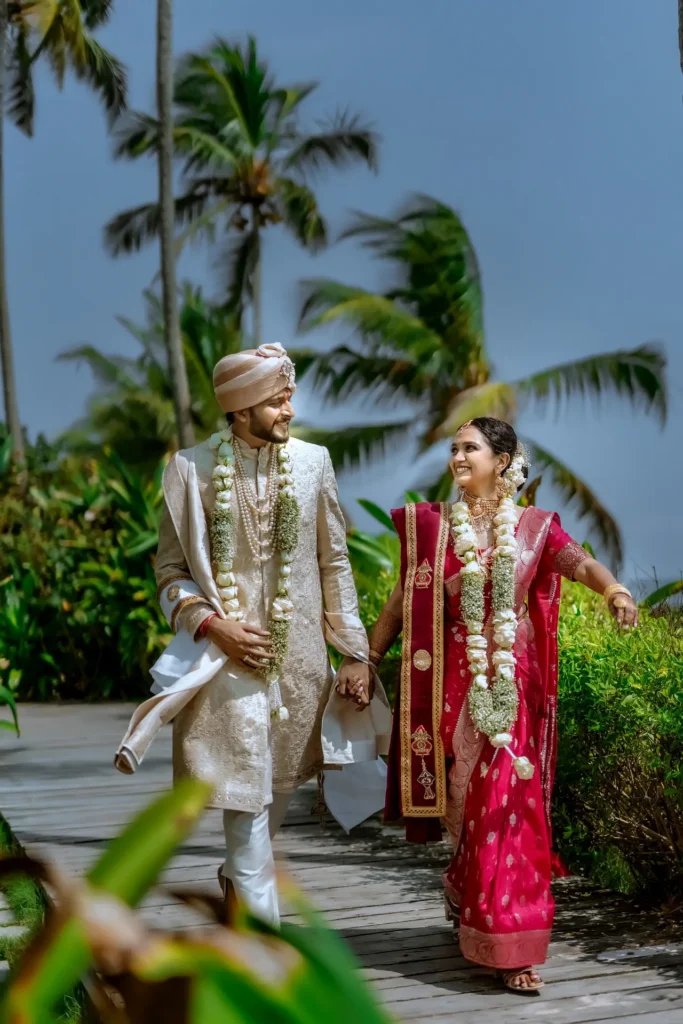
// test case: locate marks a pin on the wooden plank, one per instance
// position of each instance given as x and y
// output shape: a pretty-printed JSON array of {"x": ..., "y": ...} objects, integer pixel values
[{"x": 59, "y": 790}]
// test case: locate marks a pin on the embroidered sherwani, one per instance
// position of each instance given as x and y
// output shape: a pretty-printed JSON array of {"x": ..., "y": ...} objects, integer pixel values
[{"x": 224, "y": 732}]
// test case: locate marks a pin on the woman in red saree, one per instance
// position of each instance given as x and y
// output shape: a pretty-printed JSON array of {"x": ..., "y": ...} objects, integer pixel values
[{"x": 441, "y": 767}]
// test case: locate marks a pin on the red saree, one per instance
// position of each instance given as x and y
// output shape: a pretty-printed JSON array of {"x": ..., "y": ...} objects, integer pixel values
[{"x": 441, "y": 768}]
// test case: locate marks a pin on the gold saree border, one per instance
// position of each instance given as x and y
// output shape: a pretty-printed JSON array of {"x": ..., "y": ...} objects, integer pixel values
[{"x": 438, "y": 604}]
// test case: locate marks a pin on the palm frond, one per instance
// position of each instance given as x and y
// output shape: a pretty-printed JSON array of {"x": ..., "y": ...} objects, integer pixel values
[
  {"x": 639, "y": 375},
  {"x": 577, "y": 493},
  {"x": 350, "y": 447},
  {"x": 342, "y": 141},
  {"x": 236, "y": 264},
  {"x": 136, "y": 134},
  {"x": 21, "y": 107},
  {"x": 130, "y": 230},
  {"x": 96, "y": 12},
  {"x": 106, "y": 75},
  {"x": 301, "y": 214},
  {"x": 344, "y": 373},
  {"x": 377, "y": 513},
  {"x": 378, "y": 320},
  {"x": 110, "y": 371},
  {"x": 204, "y": 227},
  {"x": 495, "y": 398},
  {"x": 284, "y": 103},
  {"x": 202, "y": 149},
  {"x": 662, "y": 594}
]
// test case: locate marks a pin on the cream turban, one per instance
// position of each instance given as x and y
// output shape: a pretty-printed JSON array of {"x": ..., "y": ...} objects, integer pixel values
[{"x": 249, "y": 377}]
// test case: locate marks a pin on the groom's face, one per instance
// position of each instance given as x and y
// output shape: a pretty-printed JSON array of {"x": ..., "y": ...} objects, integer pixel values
[{"x": 269, "y": 421}]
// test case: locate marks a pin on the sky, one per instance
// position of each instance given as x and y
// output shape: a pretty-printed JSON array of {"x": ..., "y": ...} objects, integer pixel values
[{"x": 556, "y": 131}]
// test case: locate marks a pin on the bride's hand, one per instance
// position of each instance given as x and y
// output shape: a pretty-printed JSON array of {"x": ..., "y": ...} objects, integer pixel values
[{"x": 625, "y": 611}]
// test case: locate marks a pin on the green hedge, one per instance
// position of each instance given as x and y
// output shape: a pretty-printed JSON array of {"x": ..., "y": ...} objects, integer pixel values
[{"x": 618, "y": 800}]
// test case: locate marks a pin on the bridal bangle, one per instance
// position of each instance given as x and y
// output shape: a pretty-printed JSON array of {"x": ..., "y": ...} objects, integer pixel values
[{"x": 612, "y": 591}]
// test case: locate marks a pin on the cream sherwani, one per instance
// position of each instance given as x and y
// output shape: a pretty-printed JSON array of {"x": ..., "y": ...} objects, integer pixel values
[{"x": 223, "y": 733}]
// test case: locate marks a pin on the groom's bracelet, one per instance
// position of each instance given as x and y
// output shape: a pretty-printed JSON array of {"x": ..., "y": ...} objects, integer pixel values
[{"x": 203, "y": 628}]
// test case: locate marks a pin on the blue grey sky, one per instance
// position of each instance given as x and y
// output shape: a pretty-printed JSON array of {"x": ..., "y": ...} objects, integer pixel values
[{"x": 555, "y": 129}]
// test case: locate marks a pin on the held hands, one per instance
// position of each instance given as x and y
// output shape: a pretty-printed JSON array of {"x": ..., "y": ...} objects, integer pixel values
[
  {"x": 354, "y": 683},
  {"x": 624, "y": 610},
  {"x": 246, "y": 645}
]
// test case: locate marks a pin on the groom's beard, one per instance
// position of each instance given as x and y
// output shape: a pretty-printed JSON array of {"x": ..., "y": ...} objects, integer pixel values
[{"x": 275, "y": 433}]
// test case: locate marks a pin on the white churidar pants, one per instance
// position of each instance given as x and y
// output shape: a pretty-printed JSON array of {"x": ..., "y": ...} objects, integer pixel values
[{"x": 249, "y": 861}]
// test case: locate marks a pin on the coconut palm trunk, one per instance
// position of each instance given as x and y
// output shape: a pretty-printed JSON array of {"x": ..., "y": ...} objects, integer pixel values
[
  {"x": 172, "y": 338},
  {"x": 9, "y": 386},
  {"x": 256, "y": 279}
]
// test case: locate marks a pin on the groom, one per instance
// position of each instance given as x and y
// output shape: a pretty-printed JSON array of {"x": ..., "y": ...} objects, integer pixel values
[{"x": 222, "y": 728}]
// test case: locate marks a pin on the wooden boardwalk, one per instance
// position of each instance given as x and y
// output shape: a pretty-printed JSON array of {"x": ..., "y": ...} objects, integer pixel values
[{"x": 64, "y": 800}]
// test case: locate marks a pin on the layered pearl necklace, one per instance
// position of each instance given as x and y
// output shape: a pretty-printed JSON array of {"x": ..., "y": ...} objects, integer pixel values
[
  {"x": 493, "y": 706},
  {"x": 281, "y": 507}
]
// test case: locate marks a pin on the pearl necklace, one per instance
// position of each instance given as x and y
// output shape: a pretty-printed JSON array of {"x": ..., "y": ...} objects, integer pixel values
[
  {"x": 253, "y": 508},
  {"x": 279, "y": 501}
]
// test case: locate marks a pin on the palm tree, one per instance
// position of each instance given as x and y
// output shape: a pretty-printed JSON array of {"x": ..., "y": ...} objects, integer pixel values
[
  {"x": 245, "y": 164},
  {"x": 60, "y": 31},
  {"x": 133, "y": 411},
  {"x": 174, "y": 346},
  {"x": 423, "y": 342}
]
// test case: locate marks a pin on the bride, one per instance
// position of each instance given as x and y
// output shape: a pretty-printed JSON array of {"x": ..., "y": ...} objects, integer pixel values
[{"x": 474, "y": 739}]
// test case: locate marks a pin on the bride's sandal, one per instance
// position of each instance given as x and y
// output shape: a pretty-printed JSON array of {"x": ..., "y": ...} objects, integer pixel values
[{"x": 513, "y": 980}]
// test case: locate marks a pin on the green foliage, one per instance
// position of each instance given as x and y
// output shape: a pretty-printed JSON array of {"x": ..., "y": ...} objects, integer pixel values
[
  {"x": 78, "y": 611},
  {"x": 60, "y": 33},
  {"x": 221, "y": 973},
  {"x": 422, "y": 341},
  {"x": 619, "y": 791},
  {"x": 244, "y": 162},
  {"x": 132, "y": 410},
  {"x": 662, "y": 594}
]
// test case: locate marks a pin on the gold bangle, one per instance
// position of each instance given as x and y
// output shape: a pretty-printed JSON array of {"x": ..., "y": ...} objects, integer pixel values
[{"x": 613, "y": 590}]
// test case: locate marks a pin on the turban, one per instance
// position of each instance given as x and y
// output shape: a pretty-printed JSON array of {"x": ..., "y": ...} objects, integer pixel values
[{"x": 250, "y": 377}]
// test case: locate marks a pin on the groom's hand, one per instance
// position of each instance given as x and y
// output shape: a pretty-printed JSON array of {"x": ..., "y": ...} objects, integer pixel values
[
  {"x": 353, "y": 682},
  {"x": 247, "y": 645}
]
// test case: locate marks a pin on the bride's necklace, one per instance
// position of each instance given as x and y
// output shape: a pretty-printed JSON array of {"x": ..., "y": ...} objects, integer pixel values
[
  {"x": 493, "y": 707},
  {"x": 482, "y": 511}
]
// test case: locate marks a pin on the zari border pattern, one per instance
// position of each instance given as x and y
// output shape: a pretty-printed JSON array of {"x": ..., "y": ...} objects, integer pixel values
[
  {"x": 506, "y": 951},
  {"x": 438, "y": 810},
  {"x": 184, "y": 603},
  {"x": 175, "y": 578}
]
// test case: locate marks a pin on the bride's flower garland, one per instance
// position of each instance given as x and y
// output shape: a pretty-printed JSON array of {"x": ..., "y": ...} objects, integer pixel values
[
  {"x": 286, "y": 538},
  {"x": 493, "y": 707}
]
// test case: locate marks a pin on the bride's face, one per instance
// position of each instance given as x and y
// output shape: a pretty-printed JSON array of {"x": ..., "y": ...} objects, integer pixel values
[{"x": 474, "y": 465}]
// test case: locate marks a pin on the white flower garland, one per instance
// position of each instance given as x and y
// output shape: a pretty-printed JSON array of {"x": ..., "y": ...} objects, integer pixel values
[
  {"x": 286, "y": 539},
  {"x": 493, "y": 708}
]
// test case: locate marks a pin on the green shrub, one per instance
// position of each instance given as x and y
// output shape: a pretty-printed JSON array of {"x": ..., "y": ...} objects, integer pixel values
[
  {"x": 618, "y": 801},
  {"x": 78, "y": 612}
]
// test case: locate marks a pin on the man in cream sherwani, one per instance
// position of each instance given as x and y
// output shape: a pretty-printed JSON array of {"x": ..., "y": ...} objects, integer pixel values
[{"x": 211, "y": 688}]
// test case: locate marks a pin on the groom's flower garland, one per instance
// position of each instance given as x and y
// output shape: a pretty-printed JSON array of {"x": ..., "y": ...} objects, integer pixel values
[
  {"x": 286, "y": 538},
  {"x": 493, "y": 707}
]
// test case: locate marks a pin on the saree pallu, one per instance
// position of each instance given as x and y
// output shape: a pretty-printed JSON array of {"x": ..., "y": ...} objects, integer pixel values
[{"x": 499, "y": 825}]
